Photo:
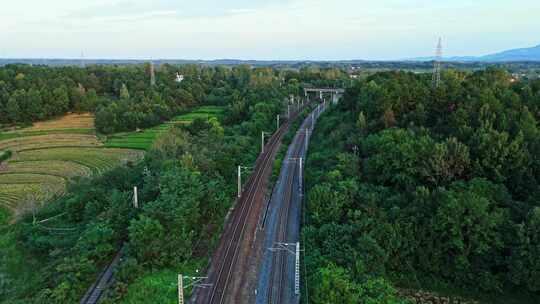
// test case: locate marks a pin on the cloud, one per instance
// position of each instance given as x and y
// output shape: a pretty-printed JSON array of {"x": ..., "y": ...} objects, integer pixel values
[
  {"x": 264, "y": 29},
  {"x": 180, "y": 8}
]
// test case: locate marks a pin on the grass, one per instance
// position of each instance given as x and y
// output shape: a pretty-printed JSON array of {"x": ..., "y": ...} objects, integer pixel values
[
  {"x": 144, "y": 140},
  {"x": 161, "y": 286}
]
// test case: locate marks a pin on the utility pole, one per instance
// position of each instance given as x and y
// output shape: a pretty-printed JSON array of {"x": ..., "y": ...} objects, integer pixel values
[
  {"x": 296, "y": 268},
  {"x": 180, "y": 289},
  {"x": 262, "y": 142},
  {"x": 239, "y": 181},
  {"x": 135, "y": 198},
  {"x": 288, "y": 111},
  {"x": 296, "y": 252},
  {"x": 195, "y": 282},
  {"x": 301, "y": 160},
  {"x": 277, "y": 126}
]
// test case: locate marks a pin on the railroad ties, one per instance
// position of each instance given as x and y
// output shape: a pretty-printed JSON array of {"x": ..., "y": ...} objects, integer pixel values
[
  {"x": 224, "y": 261},
  {"x": 96, "y": 291}
]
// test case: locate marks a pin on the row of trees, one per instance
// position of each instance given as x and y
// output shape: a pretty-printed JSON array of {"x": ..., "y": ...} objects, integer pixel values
[{"x": 430, "y": 187}]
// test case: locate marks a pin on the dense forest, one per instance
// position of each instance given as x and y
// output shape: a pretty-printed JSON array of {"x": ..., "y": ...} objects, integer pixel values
[
  {"x": 434, "y": 188},
  {"x": 121, "y": 96},
  {"x": 186, "y": 181}
]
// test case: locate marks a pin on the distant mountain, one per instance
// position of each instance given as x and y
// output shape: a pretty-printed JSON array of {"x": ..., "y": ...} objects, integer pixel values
[{"x": 524, "y": 54}]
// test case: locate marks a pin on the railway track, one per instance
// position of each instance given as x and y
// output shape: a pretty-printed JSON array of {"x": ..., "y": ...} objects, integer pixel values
[
  {"x": 278, "y": 271},
  {"x": 227, "y": 252},
  {"x": 96, "y": 291},
  {"x": 279, "y": 259}
]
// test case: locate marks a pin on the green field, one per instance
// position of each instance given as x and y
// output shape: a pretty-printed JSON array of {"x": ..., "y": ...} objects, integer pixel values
[{"x": 143, "y": 140}]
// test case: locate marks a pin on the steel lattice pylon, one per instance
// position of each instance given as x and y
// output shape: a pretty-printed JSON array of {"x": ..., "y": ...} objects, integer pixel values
[
  {"x": 437, "y": 65},
  {"x": 152, "y": 74}
]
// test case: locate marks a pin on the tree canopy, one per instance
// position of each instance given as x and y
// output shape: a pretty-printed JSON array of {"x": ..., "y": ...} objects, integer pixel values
[{"x": 428, "y": 187}]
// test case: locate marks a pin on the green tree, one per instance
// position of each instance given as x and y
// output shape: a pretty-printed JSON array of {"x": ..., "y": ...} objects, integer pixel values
[
  {"x": 146, "y": 238},
  {"x": 361, "y": 123},
  {"x": 13, "y": 110},
  {"x": 467, "y": 224},
  {"x": 124, "y": 93},
  {"x": 334, "y": 285},
  {"x": 525, "y": 260}
]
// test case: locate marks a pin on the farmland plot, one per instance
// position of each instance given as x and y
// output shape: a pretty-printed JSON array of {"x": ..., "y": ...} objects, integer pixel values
[
  {"x": 143, "y": 140},
  {"x": 47, "y": 155}
]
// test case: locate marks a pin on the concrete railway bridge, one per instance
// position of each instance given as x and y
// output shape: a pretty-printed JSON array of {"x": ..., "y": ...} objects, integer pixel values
[{"x": 335, "y": 94}]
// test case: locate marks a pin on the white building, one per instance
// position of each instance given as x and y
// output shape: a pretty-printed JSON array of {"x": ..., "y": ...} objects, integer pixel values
[{"x": 179, "y": 78}]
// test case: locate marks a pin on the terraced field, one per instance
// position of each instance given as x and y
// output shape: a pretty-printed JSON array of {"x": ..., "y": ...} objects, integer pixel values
[
  {"x": 98, "y": 160},
  {"x": 143, "y": 140},
  {"x": 49, "y": 154},
  {"x": 70, "y": 121},
  {"x": 50, "y": 140},
  {"x": 53, "y": 167},
  {"x": 13, "y": 195}
]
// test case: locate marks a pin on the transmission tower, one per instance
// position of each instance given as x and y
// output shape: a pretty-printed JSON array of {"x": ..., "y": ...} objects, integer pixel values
[
  {"x": 152, "y": 74},
  {"x": 82, "y": 60},
  {"x": 437, "y": 65}
]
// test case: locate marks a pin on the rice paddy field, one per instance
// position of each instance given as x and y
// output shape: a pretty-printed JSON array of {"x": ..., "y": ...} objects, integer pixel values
[
  {"x": 69, "y": 121},
  {"x": 49, "y": 154},
  {"x": 143, "y": 140}
]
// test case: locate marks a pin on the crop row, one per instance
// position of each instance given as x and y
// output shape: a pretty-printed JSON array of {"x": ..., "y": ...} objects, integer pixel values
[
  {"x": 12, "y": 195},
  {"x": 77, "y": 121},
  {"x": 47, "y": 141},
  {"x": 29, "y": 178},
  {"x": 65, "y": 169},
  {"x": 98, "y": 160}
]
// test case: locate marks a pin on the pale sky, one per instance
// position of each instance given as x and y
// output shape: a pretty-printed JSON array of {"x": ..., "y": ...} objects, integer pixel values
[{"x": 264, "y": 29}]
